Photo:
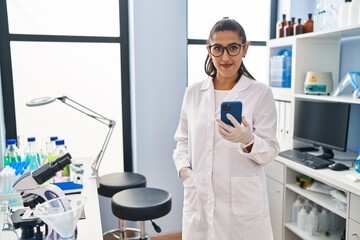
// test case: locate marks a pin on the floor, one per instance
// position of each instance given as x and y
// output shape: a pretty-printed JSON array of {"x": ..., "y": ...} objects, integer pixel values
[{"x": 168, "y": 236}]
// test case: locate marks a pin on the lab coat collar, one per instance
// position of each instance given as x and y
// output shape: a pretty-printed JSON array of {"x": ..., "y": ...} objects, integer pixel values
[{"x": 242, "y": 84}]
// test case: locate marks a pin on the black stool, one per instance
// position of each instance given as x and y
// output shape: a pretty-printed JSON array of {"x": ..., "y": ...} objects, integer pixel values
[
  {"x": 111, "y": 184},
  {"x": 140, "y": 204}
]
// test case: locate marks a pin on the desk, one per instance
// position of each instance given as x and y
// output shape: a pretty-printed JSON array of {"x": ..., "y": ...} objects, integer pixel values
[{"x": 90, "y": 227}]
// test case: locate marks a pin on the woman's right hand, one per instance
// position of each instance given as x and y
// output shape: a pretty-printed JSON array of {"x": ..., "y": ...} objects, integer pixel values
[{"x": 185, "y": 172}]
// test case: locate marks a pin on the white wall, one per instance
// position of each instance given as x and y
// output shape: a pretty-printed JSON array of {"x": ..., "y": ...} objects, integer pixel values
[{"x": 159, "y": 48}]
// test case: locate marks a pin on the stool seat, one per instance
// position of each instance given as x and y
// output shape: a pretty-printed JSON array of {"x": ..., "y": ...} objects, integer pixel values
[
  {"x": 141, "y": 204},
  {"x": 110, "y": 184}
]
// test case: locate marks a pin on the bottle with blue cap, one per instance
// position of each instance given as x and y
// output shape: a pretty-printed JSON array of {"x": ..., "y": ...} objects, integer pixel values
[
  {"x": 32, "y": 154},
  {"x": 12, "y": 153},
  {"x": 50, "y": 147},
  {"x": 60, "y": 150},
  {"x": 357, "y": 162}
]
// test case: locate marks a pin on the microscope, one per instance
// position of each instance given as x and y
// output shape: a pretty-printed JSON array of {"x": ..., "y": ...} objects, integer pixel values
[{"x": 34, "y": 189}]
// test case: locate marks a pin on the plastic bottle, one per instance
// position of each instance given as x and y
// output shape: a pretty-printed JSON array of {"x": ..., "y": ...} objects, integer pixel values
[
  {"x": 60, "y": 150},
  {"x": 313, "y": 221},
  {"x": 298, "y": 27},
  {"x": 354, "y": 12},
  {"x": 334, "y": 222},
  {"x": 309, "y": 24},
  {"x": 32, "y": 154},
  {"x": 301, "y": 220},
  {"x": 307, "y": 205},
  {"x": 12, "y": 153},
  {"x": 357, "y": 162},
  {"x": 50, "y": 147},
  {"x": 7, "y": 230},
  {"x": 324, "y": 221},
  {"x": 296, "y": 207},
  {"x": 344, "y": 12}
]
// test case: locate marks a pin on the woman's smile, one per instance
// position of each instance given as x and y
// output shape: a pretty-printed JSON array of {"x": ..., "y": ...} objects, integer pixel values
[{"x": 226, "y": 65}]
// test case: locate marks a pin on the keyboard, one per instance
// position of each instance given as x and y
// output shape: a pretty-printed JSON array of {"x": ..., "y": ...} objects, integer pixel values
[{"x": 306, "y": 159}]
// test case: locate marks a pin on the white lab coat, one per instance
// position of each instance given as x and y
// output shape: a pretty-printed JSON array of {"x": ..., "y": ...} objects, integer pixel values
[{"x": 226, "y": 196}]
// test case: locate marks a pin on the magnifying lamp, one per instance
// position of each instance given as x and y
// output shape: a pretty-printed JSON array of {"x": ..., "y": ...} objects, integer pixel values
[{"x": 81, "y": 108}]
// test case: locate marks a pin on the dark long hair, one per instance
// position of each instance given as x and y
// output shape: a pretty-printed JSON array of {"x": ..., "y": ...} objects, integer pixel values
[{"x": 226, "y": 24}]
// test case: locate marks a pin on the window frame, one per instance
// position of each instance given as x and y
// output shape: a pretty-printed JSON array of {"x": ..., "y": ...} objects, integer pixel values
[
  {"x": 7, "y": 77},
  {"x": 273, "y": 20}
]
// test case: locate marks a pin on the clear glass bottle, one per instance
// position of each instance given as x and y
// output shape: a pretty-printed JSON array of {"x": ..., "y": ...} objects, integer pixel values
[
  {"x": 60, "y": 150},
  {"x": 32, "y": 154},
  {"x": 7, "y": 231},
  {"x": 12, "y": 153},
  {"x": 357, "y": 162}
]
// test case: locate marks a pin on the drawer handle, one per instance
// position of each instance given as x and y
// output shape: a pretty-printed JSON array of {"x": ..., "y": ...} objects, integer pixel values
[
  {"x": 278, "y": 191},
  {"x": 355, "y": 235}
]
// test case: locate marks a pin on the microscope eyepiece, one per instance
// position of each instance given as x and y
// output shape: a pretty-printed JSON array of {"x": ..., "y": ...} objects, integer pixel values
[{"x": 49, "y": 170}]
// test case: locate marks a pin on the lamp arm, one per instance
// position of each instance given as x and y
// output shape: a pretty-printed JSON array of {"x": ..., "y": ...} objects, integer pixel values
[
  {"x": 97, "y": 162},
  {"x": 110, "y": 123},
  {"x": 81, "y": 108}
]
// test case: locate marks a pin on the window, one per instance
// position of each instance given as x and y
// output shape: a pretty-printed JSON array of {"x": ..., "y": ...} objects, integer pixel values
[
  {"x": 255, "y": 20},
  {"x": 53, "y": 51}
]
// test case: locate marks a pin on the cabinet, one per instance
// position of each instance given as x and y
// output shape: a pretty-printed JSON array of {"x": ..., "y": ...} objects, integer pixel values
[
  {"x": 317, "y": 51},
  {"x": 275, "y": 188},
  {"x": 283, "y": 191}
]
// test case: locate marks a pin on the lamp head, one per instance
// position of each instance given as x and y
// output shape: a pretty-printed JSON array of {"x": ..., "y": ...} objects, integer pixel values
[{"x": 40, "y": 101}]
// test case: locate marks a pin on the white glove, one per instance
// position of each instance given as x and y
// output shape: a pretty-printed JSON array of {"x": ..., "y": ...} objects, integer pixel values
[
  {"x": 185, "y": 172},
  {"x": 240, "y": 133}
]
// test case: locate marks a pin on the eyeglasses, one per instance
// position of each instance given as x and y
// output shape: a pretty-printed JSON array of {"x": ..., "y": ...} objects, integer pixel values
[{"x": 232, "y": 49}]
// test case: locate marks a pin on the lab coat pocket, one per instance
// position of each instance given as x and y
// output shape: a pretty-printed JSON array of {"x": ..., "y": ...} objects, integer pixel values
[
  {"x": 190, "y": 194},
  {"x": 246, "y": 196}
]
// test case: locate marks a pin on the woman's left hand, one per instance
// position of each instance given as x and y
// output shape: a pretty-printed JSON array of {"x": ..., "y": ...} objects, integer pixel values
[{"x": 240, "y": 133}]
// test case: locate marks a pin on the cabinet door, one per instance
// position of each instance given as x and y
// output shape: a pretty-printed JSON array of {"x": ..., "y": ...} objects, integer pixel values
[
  {"x": 354, "y": 230},
  {"x": 355, "y": 207},
  {"x": 275, "y": 192}
]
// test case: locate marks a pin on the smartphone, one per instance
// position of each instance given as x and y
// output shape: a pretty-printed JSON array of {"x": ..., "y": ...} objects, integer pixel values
[{"x": 232, "y": 107}]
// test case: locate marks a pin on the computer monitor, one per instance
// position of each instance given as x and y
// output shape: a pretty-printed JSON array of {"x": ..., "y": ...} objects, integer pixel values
[{"x": 323, "y": 124}]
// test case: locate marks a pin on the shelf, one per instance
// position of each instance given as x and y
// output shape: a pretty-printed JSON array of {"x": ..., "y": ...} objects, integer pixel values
[
  {"x": 281, "y": 42},
  {"x": 344, "y": 98},
  {"x": 306, "y": 236},
  {"x": 340, "y": 33},
  {"x": 282, "y": 94},
  {"x": 321, "y": 199}
]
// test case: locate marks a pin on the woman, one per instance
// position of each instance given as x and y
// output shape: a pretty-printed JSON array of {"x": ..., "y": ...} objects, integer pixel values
[{"x": 221, "y": 166}]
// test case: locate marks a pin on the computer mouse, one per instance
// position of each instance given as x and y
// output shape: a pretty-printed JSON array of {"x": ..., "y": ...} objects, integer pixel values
[{"x": 338, "y": 167}]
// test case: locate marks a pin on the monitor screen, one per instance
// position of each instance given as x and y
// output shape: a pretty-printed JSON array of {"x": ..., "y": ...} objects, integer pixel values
[{"x": 322, "y": 123}]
